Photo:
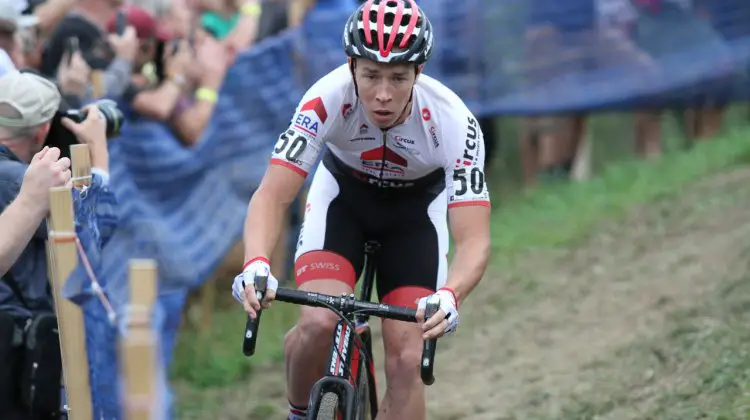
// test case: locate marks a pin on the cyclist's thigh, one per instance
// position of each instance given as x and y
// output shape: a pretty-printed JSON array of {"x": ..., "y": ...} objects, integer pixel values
[
  {"x": 330, "y": 250},
  {"x": 413, "y": 259}
]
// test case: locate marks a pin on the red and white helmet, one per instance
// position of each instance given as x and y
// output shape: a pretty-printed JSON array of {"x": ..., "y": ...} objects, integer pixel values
[{"x": 389, "y": 31}]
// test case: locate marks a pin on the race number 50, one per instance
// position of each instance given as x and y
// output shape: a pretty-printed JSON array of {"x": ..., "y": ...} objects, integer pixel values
[
  {"x": 293, "y": 143},
  {"x": 473, "y": 179}
]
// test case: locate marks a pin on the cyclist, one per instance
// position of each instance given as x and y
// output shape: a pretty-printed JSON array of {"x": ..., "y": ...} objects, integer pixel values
[{"x": 402, "y": 154}]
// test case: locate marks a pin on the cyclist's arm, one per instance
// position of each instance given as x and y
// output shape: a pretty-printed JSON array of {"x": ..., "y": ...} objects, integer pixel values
[
  {"x": 267, "y": 210},
  {"x": 294, "y": 155},
  {"x": 468, "y": 208}
]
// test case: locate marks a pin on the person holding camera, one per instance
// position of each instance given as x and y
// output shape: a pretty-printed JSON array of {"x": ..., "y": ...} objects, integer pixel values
[
  {"x": 111, "y": 56},
  {"x": 73, "y": 77},
  {"x": 182, "y": 88},
  {"x": 29, "y": 346},
  {"x": 23, "y": 216}
]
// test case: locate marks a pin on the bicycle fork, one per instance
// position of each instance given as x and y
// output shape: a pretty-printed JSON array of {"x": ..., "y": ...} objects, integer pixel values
[{"x": 342, "y": 374}]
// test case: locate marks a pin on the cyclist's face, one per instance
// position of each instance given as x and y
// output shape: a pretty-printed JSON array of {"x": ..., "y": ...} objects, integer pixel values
[{"x": 384, "y": 90}]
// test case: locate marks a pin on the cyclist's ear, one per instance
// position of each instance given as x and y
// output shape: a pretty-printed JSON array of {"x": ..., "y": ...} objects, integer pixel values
[{"x": 419, "y": 70}]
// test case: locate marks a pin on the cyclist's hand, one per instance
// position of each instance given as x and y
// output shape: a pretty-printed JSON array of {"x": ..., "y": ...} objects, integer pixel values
[
  {"x": 243, "y": 288},
  {"x": 445, "y": 320}
]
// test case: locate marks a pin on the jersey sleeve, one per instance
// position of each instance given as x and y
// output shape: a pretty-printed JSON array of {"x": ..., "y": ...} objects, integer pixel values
[
  {"x": 464, "y": 167},
  {"x": 299, "y": 146}
]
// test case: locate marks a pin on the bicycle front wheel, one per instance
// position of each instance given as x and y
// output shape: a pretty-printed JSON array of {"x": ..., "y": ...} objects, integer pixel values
[
  {"x": 363, "y": 393},
  {"x": 329, "y": 407}
]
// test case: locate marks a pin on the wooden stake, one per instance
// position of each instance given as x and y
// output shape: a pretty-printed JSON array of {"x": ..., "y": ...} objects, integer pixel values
[
  {"x": 138, "y": 360},
  {"x": 97, "y": 83},
  {"x": 63, "y": 254},
  {"x": 80, "y": 158}
]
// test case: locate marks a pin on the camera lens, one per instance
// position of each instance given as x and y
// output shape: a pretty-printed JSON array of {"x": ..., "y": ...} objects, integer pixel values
[
  {"x": 108, "y": 108},
  {"x": 112, "y": 115}
]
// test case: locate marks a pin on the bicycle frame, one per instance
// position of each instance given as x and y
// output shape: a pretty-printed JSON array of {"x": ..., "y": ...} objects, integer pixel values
[{"x": 345, "y": 352}]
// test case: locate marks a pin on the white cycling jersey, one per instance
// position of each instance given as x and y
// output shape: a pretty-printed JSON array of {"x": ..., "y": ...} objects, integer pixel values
[{"x": 439, "y": 137}]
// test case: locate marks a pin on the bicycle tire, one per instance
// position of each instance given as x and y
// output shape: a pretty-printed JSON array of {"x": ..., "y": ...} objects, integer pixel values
[
  {"x": 363, "y": 399},
  {"x": 329, "y": 407}
]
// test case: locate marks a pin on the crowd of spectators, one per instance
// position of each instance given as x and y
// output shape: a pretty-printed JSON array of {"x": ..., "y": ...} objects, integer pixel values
[{"x": 624, "y": 33}]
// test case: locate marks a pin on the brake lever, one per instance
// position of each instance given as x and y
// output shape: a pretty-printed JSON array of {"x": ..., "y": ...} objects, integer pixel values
[
  {"x": 429, "y": 346},
  {"x": 251, "y": 327}
]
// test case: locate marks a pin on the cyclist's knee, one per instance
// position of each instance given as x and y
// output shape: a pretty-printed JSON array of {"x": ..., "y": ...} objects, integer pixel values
[
  {"x": 403, "y": 365},
  {"x": 403, "y": 347},
  {"x": 317, "y": 323}
]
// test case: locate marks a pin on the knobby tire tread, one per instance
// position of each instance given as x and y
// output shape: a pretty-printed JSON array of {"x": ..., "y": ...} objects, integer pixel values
[{"x": 328, "y": 408}]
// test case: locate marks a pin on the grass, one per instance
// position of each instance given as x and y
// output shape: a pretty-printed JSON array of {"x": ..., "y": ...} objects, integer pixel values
[
  {"x": 556, "y": 215},
  {"x": 550, "y": 216}
]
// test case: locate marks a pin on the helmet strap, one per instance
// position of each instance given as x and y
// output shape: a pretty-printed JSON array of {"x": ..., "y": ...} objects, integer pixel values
[{"x": 352, "y": 64}]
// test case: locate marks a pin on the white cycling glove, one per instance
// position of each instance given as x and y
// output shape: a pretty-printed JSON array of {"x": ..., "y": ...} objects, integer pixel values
[
  {"x": 256, "y": 267},
  {"x": 448, "y": 304}
]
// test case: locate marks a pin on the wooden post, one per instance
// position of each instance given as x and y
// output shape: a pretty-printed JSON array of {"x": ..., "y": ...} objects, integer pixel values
[
  {"x": 97, "y": 83},
  {"x": 138, "y": 351},
  {"x": 63, "y": 256},
  {"x": 80, "y": 158}
]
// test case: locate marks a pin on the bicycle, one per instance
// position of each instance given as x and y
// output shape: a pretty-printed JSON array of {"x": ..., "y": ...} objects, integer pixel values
[{"x": 348, "y": 389}]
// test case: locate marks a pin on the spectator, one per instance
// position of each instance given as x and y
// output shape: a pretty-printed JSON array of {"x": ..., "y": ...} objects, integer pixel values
[
  {"x": 11, "y": 22},
  {"x": 30, "y": 27},
  {"x": 113, "y": 55},
  {"x": 23, "y": 39},
  {"x": 661, "y": 26},
  {"x": 558, "y": 40},
  {"x": 273, "y": 19},
  {"x": 28, "y": 105},
  {"x": 219, "y": 18},
  {"x": 183, "y": 90},
  {"x": 245, "y": 32},
  {"x": 577, "y": 37},
  {"x": 176, "y": 18},
  {"x": 192, "y": 115},
  {"x": 46, "y": 15},
  {"x": 73, "y": 79},
  {"x": 705, "y": 120},
  {"x": 150, "y": 66},
  {"x": 23, "y": 216}
]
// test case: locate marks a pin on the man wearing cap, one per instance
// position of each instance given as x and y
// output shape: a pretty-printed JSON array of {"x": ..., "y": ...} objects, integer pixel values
[{"x": 28, "y": 104}]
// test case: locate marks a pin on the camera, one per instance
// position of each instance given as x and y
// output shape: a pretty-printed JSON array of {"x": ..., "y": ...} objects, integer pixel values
[
  {"x": 62, "y": 138},
  {"x": 111, "y": 114}
]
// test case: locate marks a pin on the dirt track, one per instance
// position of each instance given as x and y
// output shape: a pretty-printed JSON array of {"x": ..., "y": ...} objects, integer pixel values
[{"x": 534, "y": 337}]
